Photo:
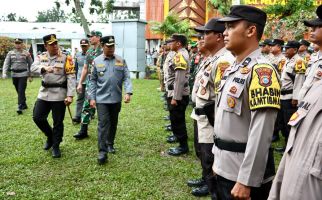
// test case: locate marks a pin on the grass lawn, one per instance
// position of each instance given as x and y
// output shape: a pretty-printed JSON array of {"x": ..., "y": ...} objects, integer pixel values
[{"x": 140, "y": 169}]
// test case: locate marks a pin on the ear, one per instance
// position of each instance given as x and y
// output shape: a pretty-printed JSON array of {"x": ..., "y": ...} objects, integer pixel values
[{"x": 251, "y": 31}]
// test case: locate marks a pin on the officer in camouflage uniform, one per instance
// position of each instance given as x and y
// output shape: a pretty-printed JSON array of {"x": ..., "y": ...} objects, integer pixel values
[
  {"x": 88, "y": 112},
  {"x": 293, "y": 76},
  {"x": 105, "y": 92},
  {"x": 248, "y": 102},
  {"x": 79, "y": 64},
  {"x": 56, "y": 91},
  {"x": 178, "y": 92},
  {"x": 18, "y": 61}
]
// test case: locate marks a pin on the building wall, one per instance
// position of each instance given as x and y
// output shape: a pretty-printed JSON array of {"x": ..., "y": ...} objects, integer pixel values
[{"x": 154, "y": 12}]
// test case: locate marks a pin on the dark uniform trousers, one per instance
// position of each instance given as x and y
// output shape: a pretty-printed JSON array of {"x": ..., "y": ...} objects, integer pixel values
[
  {"x": 107, "y": 124},
  {"x": 207, "y": 159},
  {"x": 20, "y": 84},
  {"x": 195, "y": 139},
  {"x": 224, "y": 187},
  {"x": 40, "y": 114},
  {"x": 80, "y": 101},
  {"x": 287, "y": 111},
  {"x": 178, "y": 119}
]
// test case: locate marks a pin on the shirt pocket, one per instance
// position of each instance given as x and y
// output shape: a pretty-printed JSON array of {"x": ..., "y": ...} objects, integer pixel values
[
  {"x": 58, "y": 69},
  {"x": 119, "y": 73},
  {"x": 100, "y": 73},
  {"x": 316, "y": 169},
  {"x": 234, "y": 98}
]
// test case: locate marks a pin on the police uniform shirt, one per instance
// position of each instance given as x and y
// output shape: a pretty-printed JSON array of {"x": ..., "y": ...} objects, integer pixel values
[
  {"x": 278, "y": 61},
  {"x": 293, "y": 76},
  {"x": 79, "y": 61},
  {"x": 18, "y": 62},
  {"x": 168, "y": 61},
  {"x": 314, "y": 73},
  {"x": 63, "y": 71},
  {"x": 178, "y": 75},
  {"x": 299, "y": 174},
  {"x": 245, "y": 89},
  {"x": 107, "y": 79},
  {"x": 199, "y": 73}
]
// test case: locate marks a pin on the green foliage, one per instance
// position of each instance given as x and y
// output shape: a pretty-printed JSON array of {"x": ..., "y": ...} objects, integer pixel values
[
  {"x": 172, "y": 24},
  {"x": 223, "y": 6},
  {"x": 286, "y": 21},
  {"x": 12, "y": 17},
  {"x": 52, "y": 15},
  {"x": 6, "y": 44}
]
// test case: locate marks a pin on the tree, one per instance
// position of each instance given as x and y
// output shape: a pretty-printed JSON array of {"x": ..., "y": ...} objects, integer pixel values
[
  {"x": 286, "y": 21},
  {"x": 53, "y": 15},
  {"x": 172, "y": 24},
  {"x": 12, "y": 17},
  {"x": 223, "y": 6}
]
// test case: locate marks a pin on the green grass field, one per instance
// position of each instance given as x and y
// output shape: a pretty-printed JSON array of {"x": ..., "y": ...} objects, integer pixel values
[{"x": 140, "y": 169}]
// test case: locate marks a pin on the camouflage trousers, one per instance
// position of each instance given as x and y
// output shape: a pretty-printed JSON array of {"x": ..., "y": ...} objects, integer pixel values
[{"x": 87, "y": 112}]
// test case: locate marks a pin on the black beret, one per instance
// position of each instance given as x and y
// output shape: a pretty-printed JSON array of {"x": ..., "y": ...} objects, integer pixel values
[
  {"x": 248, "y": 13},
  {"x": 276, "y": 41},
  {"x": 108, "y": 40},
  {"x": 18, "y": 40},
  {"x": 49, "y": 39},
  {"x": 304, "y": 42},
  {"x": 292, "y": 44},
  {"x": 179, "y": 37},
  {"x": 84, "y": 42},
  {"x": 212, "y": 25},
  {"x": 317, "y": 21}
]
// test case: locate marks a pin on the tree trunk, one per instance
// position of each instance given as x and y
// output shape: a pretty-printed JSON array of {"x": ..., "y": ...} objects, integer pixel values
[{"x": 80, "y": 13}]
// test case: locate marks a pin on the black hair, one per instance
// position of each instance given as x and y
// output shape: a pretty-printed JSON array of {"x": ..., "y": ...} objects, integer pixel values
[{"x": 259, "y": 29}]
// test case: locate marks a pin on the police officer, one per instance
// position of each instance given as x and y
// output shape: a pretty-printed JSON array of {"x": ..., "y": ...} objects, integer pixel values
[
  {"x": 276, "y": 57},
  {"x": 56, "y": 92},
  {"x": 293, "y": 76},
  {"x": 87, "y": 111},
  {"x": 299, "y": 173},
  {"x": 303, "y": 50},
  {"x": 18, "y": 61},
  {"x": 246, "y": 110},
  {"x": 265, "y": 47},
  {"x": 209, "y": 74},
  {"x": 105, "y": 91},
  {"x": 178, "y": 92},
  {"x": 79, "y": 64}
]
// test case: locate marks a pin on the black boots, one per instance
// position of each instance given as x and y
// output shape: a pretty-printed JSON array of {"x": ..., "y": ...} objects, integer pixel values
[{"x": 82, "y": 133}]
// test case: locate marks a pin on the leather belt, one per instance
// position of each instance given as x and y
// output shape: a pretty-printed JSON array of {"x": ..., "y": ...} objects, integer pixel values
[
  {"x": 200, "y": 111},
  {"x": 53, "y": 85},
  {"x": 19, "y": 70},
  {"x": 284, "y": 92},
  {"x": 230, "y": 146}
]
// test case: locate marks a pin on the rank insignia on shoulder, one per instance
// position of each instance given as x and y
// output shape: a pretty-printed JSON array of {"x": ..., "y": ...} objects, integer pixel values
[
  {"x": 119, "y": 63},
  {"x": 231, "y": 102},
  {"x": 244, "y": 70}
]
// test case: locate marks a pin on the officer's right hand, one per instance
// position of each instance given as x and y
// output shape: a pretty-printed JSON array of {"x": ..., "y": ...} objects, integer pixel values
[
  {"x": 92, "y": 103},
  {"x": 48, "y": 69},
  {"x": 79, "y": 88}
]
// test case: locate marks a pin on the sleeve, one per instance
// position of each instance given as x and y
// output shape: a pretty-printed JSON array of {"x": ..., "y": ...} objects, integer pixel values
[
  {"x": 264, "y": 89},
  {"x": 70, "y": 74},
  {"x": 36, "y": 66},
  {"x": 127, "y": 80},
  {"x": 275, "y": 191},
  {"x": 300, "y": 69},
  {"x": 180, "y": 67},
  {"x": 29, "y": 61},
  {"x": 252, "y": 169},
  {"x": 92, "y": 86},
  {"x": 6, "y": 65}
]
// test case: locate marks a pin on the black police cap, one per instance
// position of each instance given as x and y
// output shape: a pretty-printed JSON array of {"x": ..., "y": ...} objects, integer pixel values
[
  {"x": 276, "y": 42},
  {"x": 212, "y": 25},
  {"x": 292, "y": 44},
  {"x": 178, "y": 37},
  {"x": 18, "y": 40},
  {"x": 248, "y": 13},
  {"x": 108, "y": 40},
  {"x": 265, "y": 42},
  {"x": 84, "y": 42},
  {"x": 317, "y": 21},
  {"x": 49, "y": 39},
  {"x": 304, "y": 42}
]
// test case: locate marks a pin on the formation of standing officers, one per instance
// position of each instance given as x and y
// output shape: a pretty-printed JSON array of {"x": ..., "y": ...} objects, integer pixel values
[{"x": 242, "y": 97}]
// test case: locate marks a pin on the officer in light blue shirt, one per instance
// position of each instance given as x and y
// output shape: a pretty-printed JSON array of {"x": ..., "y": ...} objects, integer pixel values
[
  {"x": 109, "y": 73},
  {"x": 79, "y": 64}
]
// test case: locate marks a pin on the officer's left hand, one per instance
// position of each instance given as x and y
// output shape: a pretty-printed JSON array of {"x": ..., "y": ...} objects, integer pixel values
[
  {"x": 29, "y": 79},
  {"x": 68, "y": 101},
  {"x": 127, "y": 98},
  {"x": 240, "y": 192},
  {"x": 174, "y": 102},
  {"x": 294, "y": 102}
]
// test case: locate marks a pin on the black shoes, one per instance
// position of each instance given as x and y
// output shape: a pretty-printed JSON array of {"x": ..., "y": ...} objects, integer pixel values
[
  {"x": 172, "y": 139},
  {"x": 166, "y": 117},
  {"x": 200, "y": 191},
  {"x": 102, "y": 158},
  {"x": 48, "y": 144},
  {"x": 21, "y": 107},
  {"x": 110, "y": 149},
  {"x": 56, "y": 152},
  {"x": 196, "y": 182},
  {"x": 280, "y": 149},
  {"x": 24, "y": 106},
  {"x": 82, "y": 133},
  {"x": 177, "y": 151},
  {"x": 76, "y": 120},
  {"x": 168, "y": 128}
]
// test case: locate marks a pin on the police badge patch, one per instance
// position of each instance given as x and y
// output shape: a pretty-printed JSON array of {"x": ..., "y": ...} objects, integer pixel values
[{"x": 265, "y": 76}]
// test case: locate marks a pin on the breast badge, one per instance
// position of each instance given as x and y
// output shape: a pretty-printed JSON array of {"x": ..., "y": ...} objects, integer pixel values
[
  {"x": 233, "y": 90},
  {"x": 203, "y": 91},
  {"x": 231, "y": 102}
]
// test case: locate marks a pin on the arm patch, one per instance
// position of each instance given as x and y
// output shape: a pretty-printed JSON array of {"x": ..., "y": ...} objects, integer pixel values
[
  {"x": 180, "y": 62},
  {"x": 69, "y": 65},
  {"x": 264, "y": 90},
  {"x": 300, "y": 66}
]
